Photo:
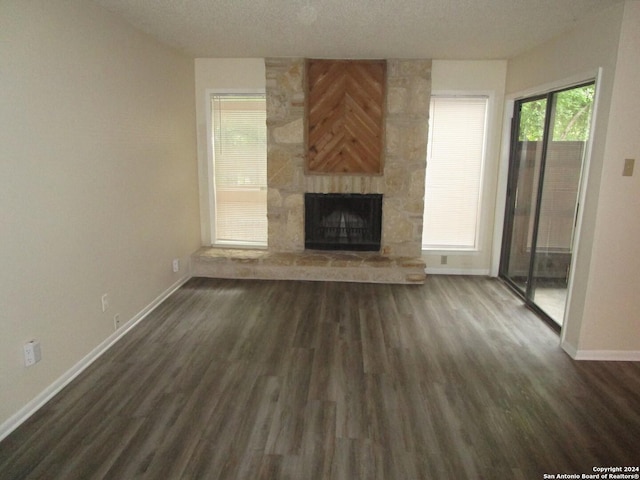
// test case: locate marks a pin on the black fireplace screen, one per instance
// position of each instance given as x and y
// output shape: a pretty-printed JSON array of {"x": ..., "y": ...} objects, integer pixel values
[{"x": 342, "y": 221}]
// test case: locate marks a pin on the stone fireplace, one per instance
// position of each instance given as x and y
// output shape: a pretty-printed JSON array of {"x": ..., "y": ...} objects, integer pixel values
[
  {"x": 400, "y": 188},
  {"x": 402, "y": 181}
]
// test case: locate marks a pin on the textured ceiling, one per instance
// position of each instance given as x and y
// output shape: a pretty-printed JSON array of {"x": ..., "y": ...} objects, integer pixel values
[{"x": 441, "y": 29}]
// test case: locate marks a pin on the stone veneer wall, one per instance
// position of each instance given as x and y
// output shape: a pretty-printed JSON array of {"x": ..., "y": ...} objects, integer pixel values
[{"x": 402, "y": 182}]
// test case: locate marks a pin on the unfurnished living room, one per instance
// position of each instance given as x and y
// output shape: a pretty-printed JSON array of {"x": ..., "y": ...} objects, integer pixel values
[{"x": 319, "y": 239}]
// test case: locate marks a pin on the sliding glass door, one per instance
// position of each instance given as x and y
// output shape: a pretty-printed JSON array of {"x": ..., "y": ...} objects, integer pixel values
[{"x": 549, "y": 138}]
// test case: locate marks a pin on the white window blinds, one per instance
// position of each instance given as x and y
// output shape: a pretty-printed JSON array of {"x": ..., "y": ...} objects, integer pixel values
[
  {"x": 455, "y": 157},
  {"x": 239, "y": 145}
]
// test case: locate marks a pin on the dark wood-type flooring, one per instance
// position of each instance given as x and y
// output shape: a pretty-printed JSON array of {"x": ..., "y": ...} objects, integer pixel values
[{"x": 232, "y": 379}]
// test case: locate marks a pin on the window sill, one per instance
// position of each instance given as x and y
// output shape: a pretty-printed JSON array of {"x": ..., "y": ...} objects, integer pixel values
[
  {"x": 240, "y": 246},
  {"x": 450, "y": 252}
]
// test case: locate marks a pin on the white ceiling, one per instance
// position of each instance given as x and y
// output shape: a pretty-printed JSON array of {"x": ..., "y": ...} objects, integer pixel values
[{"x": 440, "y": 29}]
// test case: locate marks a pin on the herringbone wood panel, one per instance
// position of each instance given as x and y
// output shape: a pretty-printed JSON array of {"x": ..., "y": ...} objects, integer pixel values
[{"x": 345, "y": 116}]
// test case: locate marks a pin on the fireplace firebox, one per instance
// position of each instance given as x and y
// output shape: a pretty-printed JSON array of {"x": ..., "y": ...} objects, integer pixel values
[{"x": 335, "y": 221}]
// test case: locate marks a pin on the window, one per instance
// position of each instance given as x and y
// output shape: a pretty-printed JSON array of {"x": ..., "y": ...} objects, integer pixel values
[
  {"x": 455, "y": 156},
  {"x": 239, "y": 151}
]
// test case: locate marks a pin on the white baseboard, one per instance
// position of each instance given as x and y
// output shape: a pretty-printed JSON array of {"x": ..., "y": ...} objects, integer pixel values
[
  {"x": 570, "y": 349},
  {"x": 43, "y": 397},
  {"x": 602, "y": 355},
  {"x": 609, "y": 355}
]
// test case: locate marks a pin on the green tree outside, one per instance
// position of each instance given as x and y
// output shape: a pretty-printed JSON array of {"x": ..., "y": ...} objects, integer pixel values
[{"x": 572, "y": 119}]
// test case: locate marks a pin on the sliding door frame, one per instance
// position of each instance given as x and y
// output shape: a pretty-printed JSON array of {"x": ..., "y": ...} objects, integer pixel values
[
  {"x": 506, "y": 193},
  {"x": 510, "y": 204}
]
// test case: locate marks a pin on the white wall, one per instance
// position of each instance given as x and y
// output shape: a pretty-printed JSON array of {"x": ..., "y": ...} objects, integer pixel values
[
  {"x": 611, "y": 319},
  {"x": 218, "y": 74},
  {"x": 486, "y": 78},
  {"x": 98, "y": 183},
  {"x": 602, "y": 319}
]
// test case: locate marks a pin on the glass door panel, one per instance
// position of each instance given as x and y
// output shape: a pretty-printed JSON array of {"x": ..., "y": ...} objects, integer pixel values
[
  {"x": 548, "y": 143},
  {"x": 525, "y": 172},
  {"x": 570, "y": 123}
]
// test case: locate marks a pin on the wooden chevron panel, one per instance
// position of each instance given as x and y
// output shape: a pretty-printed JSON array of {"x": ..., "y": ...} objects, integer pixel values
[{"x": 345, "y": 116}]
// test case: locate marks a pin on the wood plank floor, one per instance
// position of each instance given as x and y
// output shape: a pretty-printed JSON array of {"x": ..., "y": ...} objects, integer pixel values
[{"x": 237, "y": 379}]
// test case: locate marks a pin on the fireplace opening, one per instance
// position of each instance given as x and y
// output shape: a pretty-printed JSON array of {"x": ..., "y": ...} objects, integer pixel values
[{"x": 334, "y": 221}]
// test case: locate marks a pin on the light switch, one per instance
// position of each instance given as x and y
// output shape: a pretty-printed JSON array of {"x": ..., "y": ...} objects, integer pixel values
[{"x": 628, "y": 167}]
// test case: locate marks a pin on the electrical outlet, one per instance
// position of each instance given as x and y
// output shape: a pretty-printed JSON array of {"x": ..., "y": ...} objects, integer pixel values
[
  {"x": 176, "y": 265},
  {"x": 627, "y": 171},
  {"x": 443, "y": 260},
  {"x": 116, "y": 321},
  {"x": 32, "y": 353},
  {"x": 105, "y": 302}
]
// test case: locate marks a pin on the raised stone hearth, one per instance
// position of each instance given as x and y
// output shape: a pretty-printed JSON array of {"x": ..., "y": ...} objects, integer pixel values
[{"x": 308, "y": 265}]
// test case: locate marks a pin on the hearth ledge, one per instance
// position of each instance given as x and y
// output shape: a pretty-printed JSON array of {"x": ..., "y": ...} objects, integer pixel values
[{"x": 312, "y": 265}]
